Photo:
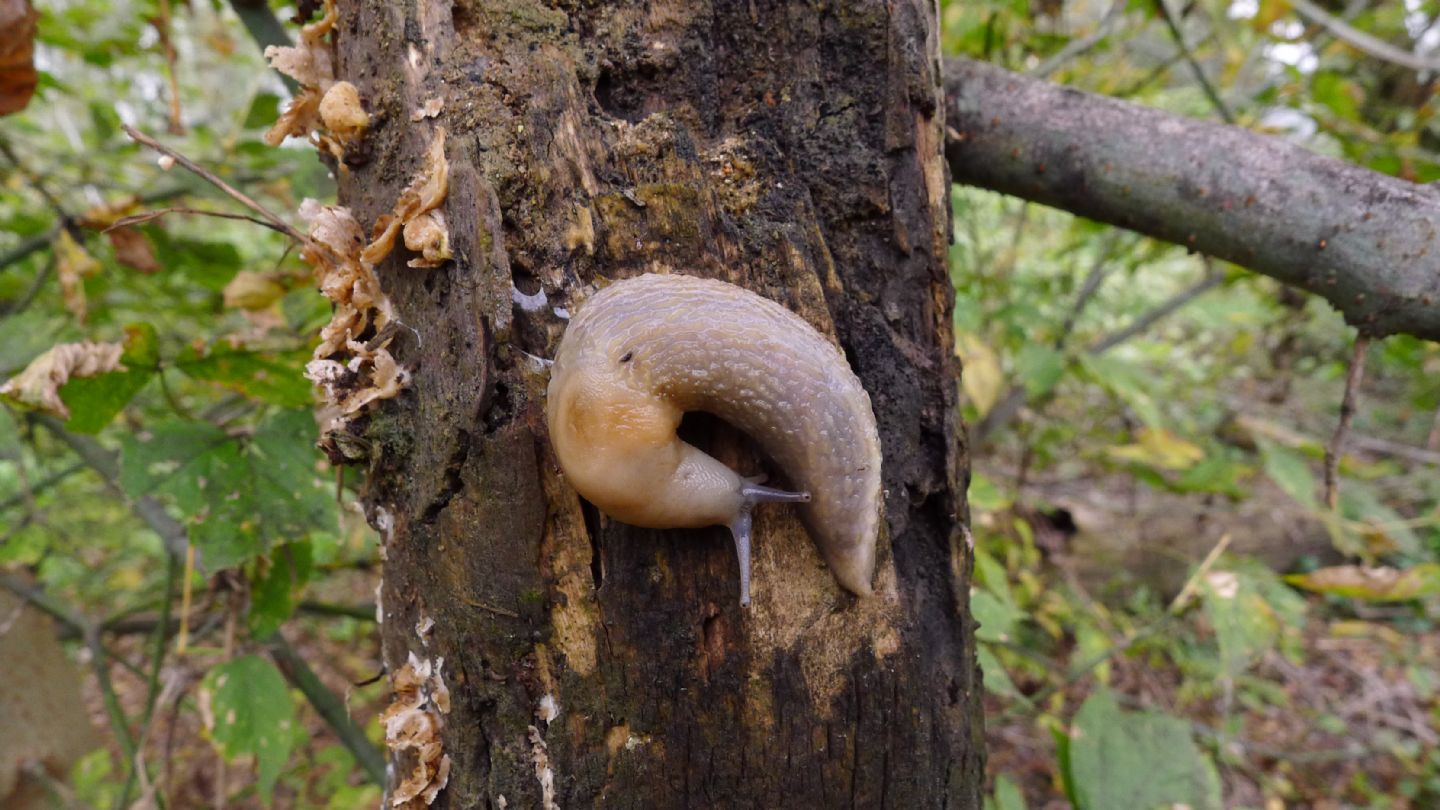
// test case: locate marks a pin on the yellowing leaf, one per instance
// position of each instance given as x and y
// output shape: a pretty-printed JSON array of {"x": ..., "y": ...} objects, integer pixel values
[
  {"x": 251, "y": 290},
  {"x": 1158, "y": 447},
  {"x": 105, "y": 214},
  {"x": 1381, "y": 584},
  {"x": 73, "y": 264},
  {"x": 38, "y": 386},
  {"x": 981, "y": 377}
]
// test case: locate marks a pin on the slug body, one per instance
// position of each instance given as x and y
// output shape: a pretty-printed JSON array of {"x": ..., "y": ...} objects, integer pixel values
[{"x": 645, "y": 350}]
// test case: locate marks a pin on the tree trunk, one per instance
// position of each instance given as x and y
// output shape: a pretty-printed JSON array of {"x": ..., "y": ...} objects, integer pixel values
[{"x": 794, "y": 148}]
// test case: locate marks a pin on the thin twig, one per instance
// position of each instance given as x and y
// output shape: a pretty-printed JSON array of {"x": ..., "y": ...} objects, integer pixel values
[
  {"x": 330, "y": 707},
  {"x": 1075, "y": 47},
  {"x": 1361, "y": 41},
  {"x": 40, "y": 486},
  {"x": 152, "y": 686},
  {"x": 162, "y": 27},
  {"x": 1098, "y": 272},
  {"x": 170, "y": 398},
  {"x": 183, "y": 639},
  {"x": 36, "y": 183},
  {"x": 1200, "y": 77},
  {"x": 214, "y": 179},
  {"x": 136, "y": 219},
  {"x": 1015, "y": 396},
  {"x": 1212, "y": 279},
  {"x": 1347, "y": 413},
  {"x": 31, "y": 245},
  {"x": 149, "y": 510},
  {"x": 34, "y": 290},
  {"x": 1188, "y": 590}
]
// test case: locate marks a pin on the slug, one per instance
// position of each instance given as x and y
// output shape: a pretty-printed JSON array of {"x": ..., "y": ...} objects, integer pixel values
[{"x": 643, "y": 351}]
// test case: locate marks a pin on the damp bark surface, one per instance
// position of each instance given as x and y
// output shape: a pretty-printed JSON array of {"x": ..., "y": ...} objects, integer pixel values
[{"x": 793, "y": 148}]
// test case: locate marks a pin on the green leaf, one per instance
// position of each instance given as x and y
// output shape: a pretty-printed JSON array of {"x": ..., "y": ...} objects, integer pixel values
[
  {"x": 1219, "y": 472},
  {"x": 274, "y": 377},
  {"x": 1137, "y": 760},
  {"x": 1007, "y": 796},
  {"x": 990, "y": 574},
  {"x": 1039, "y": 368},
  {"x": 1128, "y": 382},
  {"x": 1384, "y": 529},
  {"x": 237, "y": 497},
  {"x": 263, "y": 111},
  {"x": 997, "y": 619},
  {"x": 252, "y": 714},
  {"x": 997, "y": 680},
  {"x": 1250, "y": 611},
  {"x": 1289, "y": 471},
  {"x": 210, "y": 264},
  {"x": 94, "y": 401},
  {"x": 276, "y": 585},
  {"x": 985, "y": 496}
]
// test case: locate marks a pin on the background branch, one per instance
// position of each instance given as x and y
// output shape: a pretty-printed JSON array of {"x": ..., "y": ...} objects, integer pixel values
[{"x": 1359, "y": 239}]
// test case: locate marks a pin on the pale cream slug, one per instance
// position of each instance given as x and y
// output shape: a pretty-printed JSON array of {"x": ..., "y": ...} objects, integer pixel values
[{"x": 643, "y": 351}]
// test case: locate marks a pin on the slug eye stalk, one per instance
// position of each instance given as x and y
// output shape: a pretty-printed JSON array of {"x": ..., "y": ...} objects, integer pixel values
[{"x": 753, "y": 493}]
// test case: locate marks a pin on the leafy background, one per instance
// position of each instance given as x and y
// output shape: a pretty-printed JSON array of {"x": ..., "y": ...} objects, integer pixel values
[{"x": 1165, "y": 618}]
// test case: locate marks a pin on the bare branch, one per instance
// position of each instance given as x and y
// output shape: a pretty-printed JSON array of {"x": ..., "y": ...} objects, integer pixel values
[
  {"x": 214, "y": 179},
  {"x": 1361, "y": 41},
  {"x": 136, "y": 219},
  {"x": 1359, "y": 239}
]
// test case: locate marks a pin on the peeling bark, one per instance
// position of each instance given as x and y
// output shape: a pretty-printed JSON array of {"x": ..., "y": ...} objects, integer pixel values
[{"x": 793, "y": 148}]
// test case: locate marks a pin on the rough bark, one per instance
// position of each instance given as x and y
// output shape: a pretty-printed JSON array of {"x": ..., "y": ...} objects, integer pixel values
[
  {"x": 794, "y": 148},
  {"x": 1364, "y": 241}
]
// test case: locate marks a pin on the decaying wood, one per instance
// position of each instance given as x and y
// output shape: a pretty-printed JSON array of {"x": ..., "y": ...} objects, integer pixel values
[{"x": 793, "y": 148}]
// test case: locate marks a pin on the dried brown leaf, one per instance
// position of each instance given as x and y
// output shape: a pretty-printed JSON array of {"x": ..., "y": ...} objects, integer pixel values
[
  {"x": 310, "y": 66},
  {"x": 38, "y": 386},
  {"x": 133, "y": 250},
  {"x": 105, "y": 214},
  {"x": 17, "y": 55},
  {"x": 301, "y": 116},
  {"x": 425, "y": 192}
]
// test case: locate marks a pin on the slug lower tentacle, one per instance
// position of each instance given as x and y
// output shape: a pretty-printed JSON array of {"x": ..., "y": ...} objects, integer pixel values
[{"x": 643, "y": 351}]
